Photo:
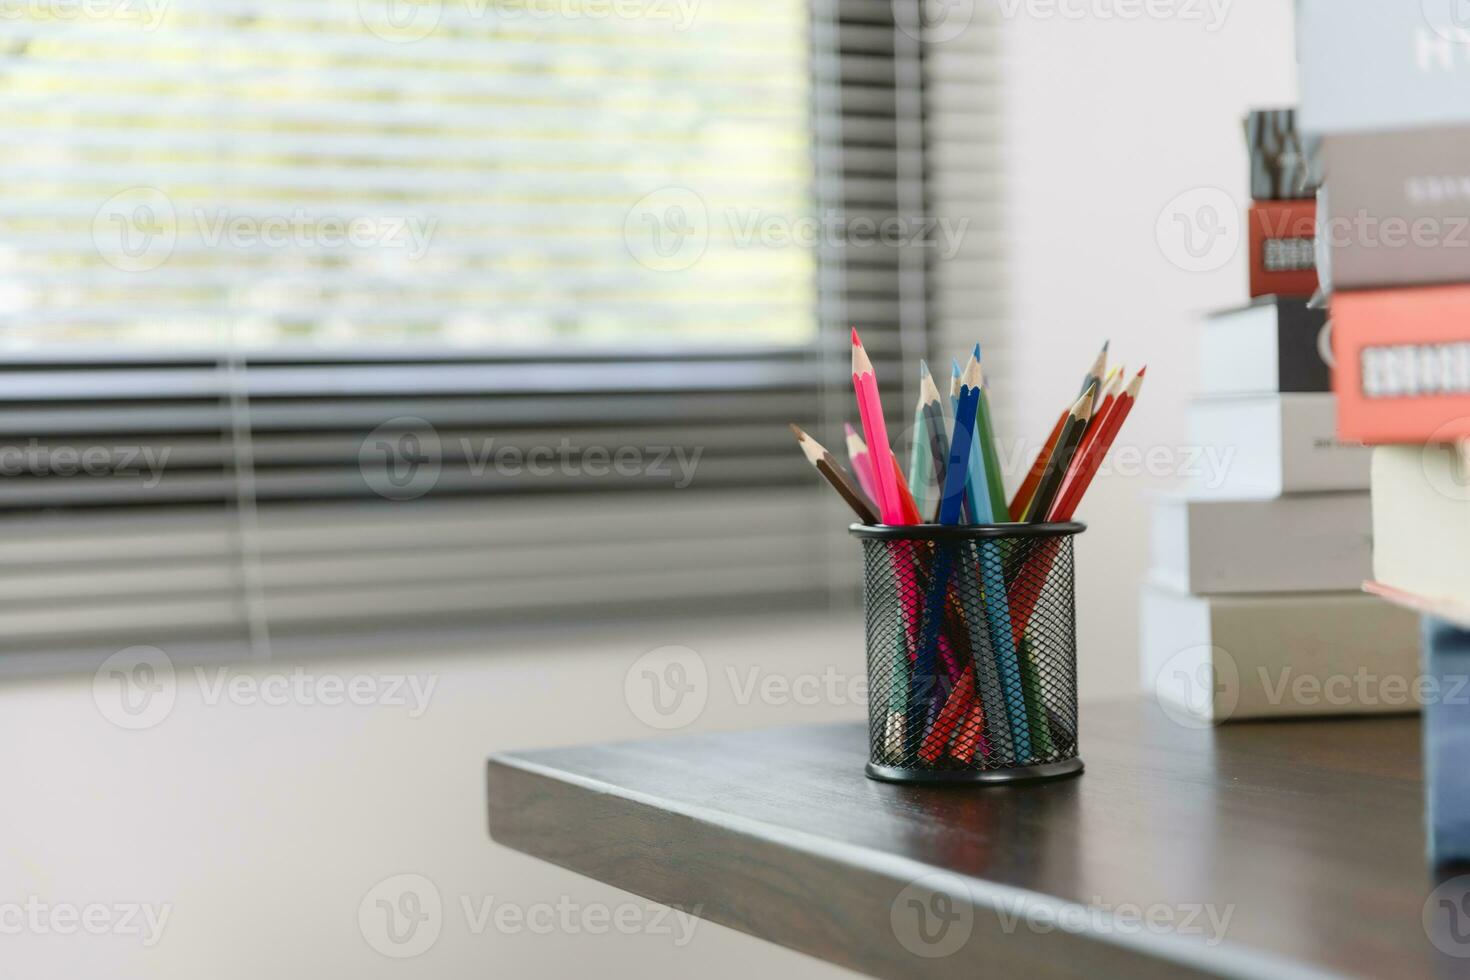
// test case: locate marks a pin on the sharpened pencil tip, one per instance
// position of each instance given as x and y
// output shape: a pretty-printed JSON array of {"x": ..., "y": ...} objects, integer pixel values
[
  {"x": 955, "y": 366},
  {"x": 847, "y": 429},
  {"x": 1142, "y": 370},
  {"x": 972, "y": 378},
  {"x": 924, "y": 369},
  {"x": 976, "y": 352},
  {"x": 796, "y": 431},
  {"x": 860, "y": 363},
  {"x": 1106, "y": 344},
  {"x": 928, "y": 391},
  {"x": 1083, "y": 408}
]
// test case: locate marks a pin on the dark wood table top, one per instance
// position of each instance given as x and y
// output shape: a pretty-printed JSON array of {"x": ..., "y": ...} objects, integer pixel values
[{"x": 1269, "y": 849}]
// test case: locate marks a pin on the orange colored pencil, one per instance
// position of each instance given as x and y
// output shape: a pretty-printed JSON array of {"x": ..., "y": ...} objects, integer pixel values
[{"x": 1027, "y": 489}]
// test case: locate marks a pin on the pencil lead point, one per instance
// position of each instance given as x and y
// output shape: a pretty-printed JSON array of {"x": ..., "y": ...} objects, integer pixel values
[
  {"x": 955, "y": 365},
  {"x": 1106, "y": 344},
  {"x": 856, "y": 341},
  {"x": 847, "y": 429},
  {"x": 1142, "y": 370},
  {"x": 976, "y": 352},
  {"x": 924, "y": 368},
  {"x": 796, "y": 431}
]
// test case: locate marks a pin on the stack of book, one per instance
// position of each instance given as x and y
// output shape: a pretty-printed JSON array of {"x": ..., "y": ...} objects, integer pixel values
[
  {"x": 1254, "y": 606},
  {"x": 1396, "y": 160}
]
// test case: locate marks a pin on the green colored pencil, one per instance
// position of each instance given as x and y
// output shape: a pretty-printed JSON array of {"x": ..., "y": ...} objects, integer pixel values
[
  {"x": 986, "y": 429},
  {"x": 921, "y": 462}
]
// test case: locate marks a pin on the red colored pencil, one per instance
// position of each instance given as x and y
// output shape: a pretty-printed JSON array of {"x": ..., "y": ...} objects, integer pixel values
[
  {"x": 905, "y": 496},
  {"x": 1078, "y": 481},
  {"x": 955, "y": 708},
  {"x": 970, "y": 736},
  {"x": 1038, "y": 566}
]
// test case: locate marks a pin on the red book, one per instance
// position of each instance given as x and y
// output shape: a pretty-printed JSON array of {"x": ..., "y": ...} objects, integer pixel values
[
  {"x": 1283, "y": 237},
  {"x": 1402, "y": 369}
]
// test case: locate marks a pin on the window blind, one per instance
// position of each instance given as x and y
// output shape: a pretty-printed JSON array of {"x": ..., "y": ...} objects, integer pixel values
[{"x": 244, "y": 405}]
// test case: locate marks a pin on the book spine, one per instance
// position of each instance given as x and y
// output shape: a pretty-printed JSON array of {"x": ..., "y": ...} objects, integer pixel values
[
  {"x": 1446, "y": 653},
  {"x": 1398, "y": 208},
  {"x": 1283, "y": 242},
  {"x": 1415, "y": 65},
  {"x": 1402, "y": 370},
  {"x": 1303, "y": 347}
]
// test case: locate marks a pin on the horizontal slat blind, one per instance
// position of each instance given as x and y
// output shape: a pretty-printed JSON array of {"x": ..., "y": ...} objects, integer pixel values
[
  {"x": 484, "y": 171},
  {"x": 965, "y": 163},
  {"x": 236, "y": 394}
]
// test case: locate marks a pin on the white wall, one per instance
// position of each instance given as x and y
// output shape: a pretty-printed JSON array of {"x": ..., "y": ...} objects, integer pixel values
[
  {"x": 264, "y": 826},
  {"x": 1107, "y": 121}
]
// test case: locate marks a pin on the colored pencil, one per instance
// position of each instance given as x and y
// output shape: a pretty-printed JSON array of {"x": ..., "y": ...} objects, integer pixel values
[
  {"x": 1027, "y": 490},
  {"x": 870, "y": 407},
  {"x": 971, "y": 736},
  {"x": 978, "y": 504},
  {"x": 1056, "y": 466},
  {"x": 1038, "y": 566},
  {"x": 906, "y": 504},
  {"x": 976, "y": 498},
  {"x": 984, "y": 426},
  {"x": 831, "y": 471},
  {"x": 934, "y": 429},
  {"x": 1112, "y": 385},
  {"x": 923, "y": 690},
  {"x": 952, "y": 500},
  {"x": 1077, "y": 483},
  {"x": 1000, "y": 681},
  {"x": 1094, "y": 374},
  {"x": 921, "y": 465},
  {"x": 862, "y": 462},
  {"x": 955, "y": 707}
]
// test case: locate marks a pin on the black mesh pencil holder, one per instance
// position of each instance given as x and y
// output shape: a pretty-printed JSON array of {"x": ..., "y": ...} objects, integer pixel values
[{"x": 972, "y": 652}]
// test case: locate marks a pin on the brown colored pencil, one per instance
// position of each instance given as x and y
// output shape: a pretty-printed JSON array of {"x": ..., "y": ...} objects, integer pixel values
[{"x": 827, "y": 465}]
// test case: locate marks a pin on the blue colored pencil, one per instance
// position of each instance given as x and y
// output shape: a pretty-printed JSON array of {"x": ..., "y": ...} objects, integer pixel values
[
  {"x": 977, "y": 495},
  {"x": 998, "y": 612},
  {"x": 950, "y": 507}
]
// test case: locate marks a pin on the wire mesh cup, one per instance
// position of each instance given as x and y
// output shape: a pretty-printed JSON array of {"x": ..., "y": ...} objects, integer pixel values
[{"x": 972, "y": 652}]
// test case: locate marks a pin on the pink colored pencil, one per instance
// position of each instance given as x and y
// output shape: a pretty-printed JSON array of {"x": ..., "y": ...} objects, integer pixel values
[
  {"x": 861, "y": 460},
  {"x": 870, "y": 407}
]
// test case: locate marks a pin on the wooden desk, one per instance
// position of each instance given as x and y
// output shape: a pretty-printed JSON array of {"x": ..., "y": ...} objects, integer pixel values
[{"x": 1299, "y": 841}]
